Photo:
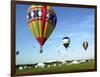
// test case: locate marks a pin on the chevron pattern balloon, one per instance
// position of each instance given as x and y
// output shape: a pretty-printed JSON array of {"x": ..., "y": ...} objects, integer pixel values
[{"x": 42, "y": 21}]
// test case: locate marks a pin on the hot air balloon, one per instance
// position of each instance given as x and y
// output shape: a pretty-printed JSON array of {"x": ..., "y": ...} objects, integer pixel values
[
  {"x": 59, "y": 52},
  {"x": 41, "y": 21},
  {"x": 17, "y": 52},
  {"x": 66, "y": 41},
  {"x": 85, "y": 45}
]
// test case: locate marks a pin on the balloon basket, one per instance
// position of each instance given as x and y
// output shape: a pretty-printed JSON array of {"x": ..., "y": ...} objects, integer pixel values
[{"x": 41, "y": 50}]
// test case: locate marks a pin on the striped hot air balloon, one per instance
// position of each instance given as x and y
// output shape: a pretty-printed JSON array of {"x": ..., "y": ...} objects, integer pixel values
[{"x": 42, "y": 21}]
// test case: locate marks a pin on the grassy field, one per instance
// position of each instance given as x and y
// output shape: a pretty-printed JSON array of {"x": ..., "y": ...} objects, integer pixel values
[{"x": 64, "y": 68}]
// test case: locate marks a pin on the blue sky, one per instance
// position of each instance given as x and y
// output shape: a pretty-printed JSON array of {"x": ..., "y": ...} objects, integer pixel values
[{"x": 75, "y": 23}]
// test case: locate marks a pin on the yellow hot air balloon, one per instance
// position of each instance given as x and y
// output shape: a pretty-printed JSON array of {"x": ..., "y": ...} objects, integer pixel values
[{"x": 41, "y": 20}]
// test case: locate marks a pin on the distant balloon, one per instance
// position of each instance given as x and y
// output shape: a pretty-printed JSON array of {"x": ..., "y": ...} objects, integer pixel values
[
  {"x": 59, "y": 52},
  {"x": 66, "y": 41},
  {"x": 85, "y": 45},
  {"x": 17, "y": 52},
  {"x": 42, "y": 21}
]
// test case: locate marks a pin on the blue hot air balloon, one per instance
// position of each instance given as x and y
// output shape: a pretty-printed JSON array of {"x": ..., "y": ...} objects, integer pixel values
[
  {"x": 66, "y": 42},
  {"x": 17, "y": 52}
]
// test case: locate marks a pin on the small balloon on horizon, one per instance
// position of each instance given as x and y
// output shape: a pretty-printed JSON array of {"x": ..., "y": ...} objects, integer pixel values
[{"x": 17, "y": 52}]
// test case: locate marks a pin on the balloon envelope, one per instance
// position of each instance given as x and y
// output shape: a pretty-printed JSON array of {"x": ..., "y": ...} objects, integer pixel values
[
  {"x": 59, "y": 52},
  {"x": 41, "y": 21},
  {"x": 66, "y": 41},
  {"x": 17, "y": 52},
  {"x": 85, "y": 45}
]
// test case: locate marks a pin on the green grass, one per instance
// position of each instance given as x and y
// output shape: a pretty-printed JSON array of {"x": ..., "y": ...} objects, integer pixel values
[{"x": 58, "y": 69}]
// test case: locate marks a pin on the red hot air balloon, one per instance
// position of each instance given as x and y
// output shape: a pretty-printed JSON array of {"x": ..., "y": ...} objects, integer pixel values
[{"x": 41, "y": 21}]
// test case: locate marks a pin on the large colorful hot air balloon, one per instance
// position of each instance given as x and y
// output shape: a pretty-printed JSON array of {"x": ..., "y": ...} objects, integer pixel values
[
  {"x": 66, "y": 41},
  {"x": 42, "y": 21},
  {"x": 85, "y": 45}
]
